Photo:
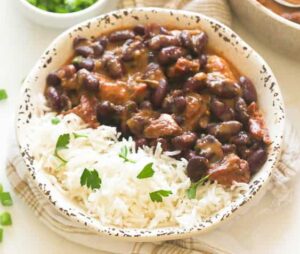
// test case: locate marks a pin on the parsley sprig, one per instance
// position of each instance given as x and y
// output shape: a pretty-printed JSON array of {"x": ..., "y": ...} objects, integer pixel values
[
  {"x": 63, "y": 142},
  {"x": 91, "y": 179},
  {"x": 146, "y": 172},
  {"x": 156, "y": 196},
  {"x": 191, "y": 192},
  {"x": 124, "y": 155},
  {"x": 55, "y": 121}
]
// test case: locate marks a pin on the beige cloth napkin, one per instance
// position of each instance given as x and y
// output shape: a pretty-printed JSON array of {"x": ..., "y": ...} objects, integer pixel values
[{"x": 217, "y": 242}]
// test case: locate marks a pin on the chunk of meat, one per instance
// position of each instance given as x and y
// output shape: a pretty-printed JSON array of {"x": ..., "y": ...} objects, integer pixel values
[
  {"x": 257, "y": 126},
  {"x": 183, "y": 66},
  {"x": 119, "y": 93},
  {"x": 219, "y": 64},
  {"x": 86, "y": 110},
  {"x": 231, "y": 169},
  {"x": 164, "y": 126},
  {"x": 210, "y": 148},
  {"x": 141, "y": 119},
  {"x": 197, "y": 106}
]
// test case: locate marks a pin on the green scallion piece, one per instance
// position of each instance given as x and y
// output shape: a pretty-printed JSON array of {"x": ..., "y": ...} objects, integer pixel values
[
  {"x": 5, "y": 219},
  {"x": 6, "y": 199}
]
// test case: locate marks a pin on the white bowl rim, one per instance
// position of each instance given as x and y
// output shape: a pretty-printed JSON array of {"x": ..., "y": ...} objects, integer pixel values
[
  {"x": 156, "y": 234},
  {"x": 274, "y": 15},
  {"x": 62, "y": 16}
]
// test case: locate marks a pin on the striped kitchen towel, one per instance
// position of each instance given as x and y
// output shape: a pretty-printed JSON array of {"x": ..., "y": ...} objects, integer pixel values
[{"x": 216, "y": 242}]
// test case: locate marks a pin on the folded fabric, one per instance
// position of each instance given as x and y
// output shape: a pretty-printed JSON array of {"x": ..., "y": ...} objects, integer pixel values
[{"x": 218, "y": 241}]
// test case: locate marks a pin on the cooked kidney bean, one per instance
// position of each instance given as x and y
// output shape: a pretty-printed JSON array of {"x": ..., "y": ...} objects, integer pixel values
[
  {"x": 91, "y": 83},
  {"x": 203, "y": 61},
  {"x": 257, "y": 159},
  {"x": 186, "y": 39},
  {"x": 179, "y": 119},
  {"x": 223, "y": 88},
  {"x": 84, "y": 51},
  {"x": 53, "y": 79},
  {"x": 163, "y": 142},
  {"x": 139, "y": 30},
  {"x": 197, "y": 168},
  {"x": 184, "y": 141},
  {"x": 225, "y": 130},
  {"x": 103, "y": 41},
  {"x": 161, "y": 41},
  {"x": 241, "y": 110},
  {"x": 130, "y": 48},
  {"x": 140, "y": 142},
  {"x": 83, "y": 63},
  {"x": 199, "y": 42},
  {"x": 248, "y": 89},
  {"x": 195, "y": 83},
  {"x": 122, "y": 35},
  {"x": 170, "y": 54},
  {"x": 56, "y": 99},
  {"x": 221, "y": 110},
  {"x": 164, "y": 86},
  {"x": 229, "y": 148},
  {"x": 179, "y": 103},
  {"x": 114, "y": 66},
  {"x": 189, "y": 154},
  {"x": 106, "y": 112},
  {"x": 159, "y": 93},
  {"x": 98, "y": 49},
  {"x": 242, "y": 138}
]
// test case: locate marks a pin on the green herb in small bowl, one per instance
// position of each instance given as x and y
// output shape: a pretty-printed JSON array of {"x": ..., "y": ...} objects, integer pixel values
[{"x": 62, "y": 6}]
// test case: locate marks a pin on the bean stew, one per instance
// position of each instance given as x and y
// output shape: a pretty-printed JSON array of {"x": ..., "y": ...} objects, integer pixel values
[
  {"x": 166, "y": 86},
  {"x": 291, "y": 14}
]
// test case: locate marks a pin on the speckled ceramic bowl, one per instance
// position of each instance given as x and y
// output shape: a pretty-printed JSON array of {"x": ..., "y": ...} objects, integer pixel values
[
  {"x": 221, "y": 38},
  {"x": 274, "y": 30}
]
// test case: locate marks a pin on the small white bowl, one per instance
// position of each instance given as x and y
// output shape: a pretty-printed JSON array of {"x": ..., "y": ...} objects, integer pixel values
[
  {"x": 64, "y": 20},
  {"x": 221, "y": 38},
  {"x": 274, "y": 30}
]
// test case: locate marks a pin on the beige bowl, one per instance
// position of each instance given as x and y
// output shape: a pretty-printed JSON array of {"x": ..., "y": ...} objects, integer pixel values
[
  {"x": 274, "y": 30},
  {"x": 220, "y": 37}
]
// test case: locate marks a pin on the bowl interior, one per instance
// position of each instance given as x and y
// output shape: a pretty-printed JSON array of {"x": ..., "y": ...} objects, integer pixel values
[{"x": 222, "y": 39}]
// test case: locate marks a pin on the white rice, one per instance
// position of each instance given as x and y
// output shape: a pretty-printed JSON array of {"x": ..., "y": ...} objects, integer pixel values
[{"x": 123, "y": 199}]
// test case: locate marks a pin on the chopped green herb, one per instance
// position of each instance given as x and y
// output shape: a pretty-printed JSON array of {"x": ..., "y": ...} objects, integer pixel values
[
  {"x": 55, "y": 121},
  {"x": 3, "y": 94},
  {"x": 62, "y": 6},
  {"x": 156, "y": 196},
  {"x": 1, "y": 234},
  {"x": 1, "y": 188},
  {"x": 124, "y": 154},
  {"x": 62, "y": 143},
  {"x": 6, "y": 199},
  {"x": 77, "y": 60},
  {"x": 191, "y": 192},
  {"x": 76, "y": 135},
  {"x": 91, "y": 179},
  {"x": 5, "y": 219},
  {"x": 146, "y": 172}
]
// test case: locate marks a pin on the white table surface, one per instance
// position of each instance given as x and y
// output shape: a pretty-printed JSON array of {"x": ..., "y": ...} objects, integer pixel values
[{"x": 22, "y": 42}]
